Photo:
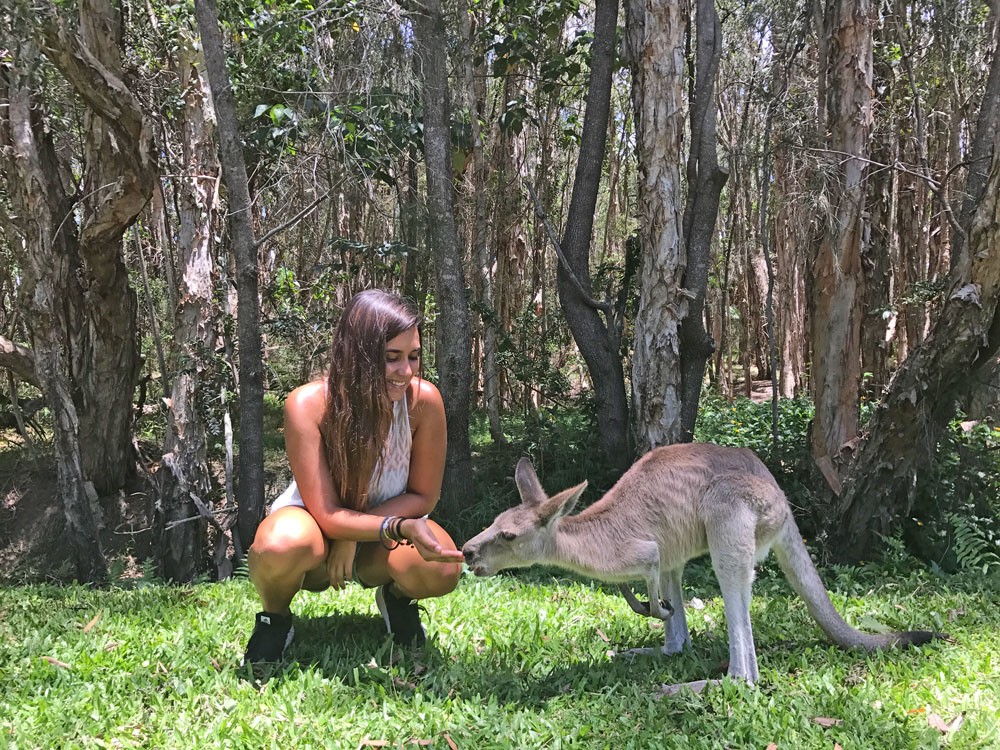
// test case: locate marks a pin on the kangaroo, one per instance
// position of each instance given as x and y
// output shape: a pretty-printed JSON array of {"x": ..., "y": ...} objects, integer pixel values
[{"x": 676, "y": 503}]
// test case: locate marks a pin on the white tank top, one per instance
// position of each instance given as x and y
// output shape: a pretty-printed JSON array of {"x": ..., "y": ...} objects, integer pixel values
[{"x": 392, "y": 471}]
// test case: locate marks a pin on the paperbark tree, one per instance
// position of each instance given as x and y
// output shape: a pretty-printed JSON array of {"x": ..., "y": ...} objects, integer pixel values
[
  {"x": 836, "y": 277},
  {"x": 880, "y": 488},
  {"x": 82, "y": 310},
  {"x": 483, "y": 255},
  {"x": 183, "y": 505},
  {"x": 251, "y": 362},
  {"x": 655, "y": 33},
  {"x": 453, "y": 330}
]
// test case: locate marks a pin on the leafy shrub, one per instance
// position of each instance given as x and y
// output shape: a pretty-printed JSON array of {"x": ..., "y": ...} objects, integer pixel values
[{"x": 955, "y": 521}]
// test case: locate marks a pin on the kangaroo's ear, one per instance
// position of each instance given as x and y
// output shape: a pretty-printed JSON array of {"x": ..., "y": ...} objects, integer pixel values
[
  {"x": 528, "y": 484},
  {"x": 562, "y": 504}
]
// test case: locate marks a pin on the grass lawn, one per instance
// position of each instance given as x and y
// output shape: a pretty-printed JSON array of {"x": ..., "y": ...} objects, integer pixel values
[{"x": 521, "y": 661}]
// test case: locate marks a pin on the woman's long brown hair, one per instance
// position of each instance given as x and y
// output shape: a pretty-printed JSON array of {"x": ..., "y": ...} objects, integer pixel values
[{"x": 358, "y": 409}]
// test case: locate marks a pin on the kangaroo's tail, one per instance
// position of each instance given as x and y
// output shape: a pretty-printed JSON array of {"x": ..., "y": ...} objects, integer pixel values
[{"x": 801, "y": 573}]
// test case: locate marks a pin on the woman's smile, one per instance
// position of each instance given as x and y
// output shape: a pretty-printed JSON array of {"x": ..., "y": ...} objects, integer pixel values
[{"x": 402, "y": 360}]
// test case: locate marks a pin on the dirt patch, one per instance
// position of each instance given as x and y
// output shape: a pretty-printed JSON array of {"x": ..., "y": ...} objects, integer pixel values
[
  {"x": 31, "y": 523},
  {"x": 32, "y": 543},
  {"x": 33, "y": 546}
]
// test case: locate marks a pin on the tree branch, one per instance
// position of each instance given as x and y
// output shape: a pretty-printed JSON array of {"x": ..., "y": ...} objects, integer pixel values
[
  {"x": 99, "y": 87},
  {"x": 19, "y": 360},
  {"x": 605, "y": 307},
  {"x": 935, "y": 186},
  {"x": 292, "y": 221}
]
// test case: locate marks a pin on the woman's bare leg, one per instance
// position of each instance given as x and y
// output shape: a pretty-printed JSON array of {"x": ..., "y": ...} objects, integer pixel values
[
  {"x": 288, "y": 545},
  {"x": 411, "y": 575}
]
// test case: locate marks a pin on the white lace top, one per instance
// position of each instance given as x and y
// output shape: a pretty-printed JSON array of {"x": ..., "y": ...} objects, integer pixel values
[{"x": 392, "y": 471}]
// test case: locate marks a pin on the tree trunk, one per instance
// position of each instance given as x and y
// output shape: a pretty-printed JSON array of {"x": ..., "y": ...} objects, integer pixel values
[
  {"x": 185, "y": 482},
  {"x": 102, "y": 344},
  {"x": 484, "y": 259},
  {"x": 984, "y": 395},
  {"x": 234, "y": 175},
  {"x": 453, "y": 330},
  {"x": 705, "y": 180},
  {"x": 790, "y": 239},
  {"x": 836, "y": 270},
  {"x": 877, "y": 313},
  {"x": 655, "y": 49},
  {"x": 880, "y": 488},
  {"x": 39, "y": 203},
  {"x": 598, "y": 340},
  {"x": 83, "y": 321},
  {"x": 983, "y": 142}
]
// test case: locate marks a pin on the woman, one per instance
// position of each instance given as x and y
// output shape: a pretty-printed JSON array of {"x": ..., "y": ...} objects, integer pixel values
[{"x": 366, "y": 447}]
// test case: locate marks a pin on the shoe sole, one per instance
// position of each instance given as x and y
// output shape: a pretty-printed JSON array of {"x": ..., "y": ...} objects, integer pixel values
[{"x": 383, "y": 610}]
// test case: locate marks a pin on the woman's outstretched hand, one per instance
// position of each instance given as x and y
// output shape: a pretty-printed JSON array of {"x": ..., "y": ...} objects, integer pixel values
[{"x": 420, "y": 535}]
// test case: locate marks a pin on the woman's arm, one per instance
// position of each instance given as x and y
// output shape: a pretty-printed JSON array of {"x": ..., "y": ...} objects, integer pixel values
[{"x": 304, "y": 410}]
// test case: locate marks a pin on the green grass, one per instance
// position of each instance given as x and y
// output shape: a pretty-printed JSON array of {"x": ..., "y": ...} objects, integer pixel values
[{"x": 515, "y": 662}]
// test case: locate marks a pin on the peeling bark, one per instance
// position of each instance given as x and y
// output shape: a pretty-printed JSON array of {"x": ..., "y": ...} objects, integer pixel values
[
  {"x": 185, "y": 481},
  {"x": 836, "y": 275},
  {"x": 82, "y": 309},
  {"x": 655, "y": 43},
  {"x": 922, "y": 396}
]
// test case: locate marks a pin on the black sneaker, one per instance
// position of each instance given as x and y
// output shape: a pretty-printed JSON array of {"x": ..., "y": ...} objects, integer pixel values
[
  {"x": 271, "y": 636},
  {"x": 402, "y": 617}
]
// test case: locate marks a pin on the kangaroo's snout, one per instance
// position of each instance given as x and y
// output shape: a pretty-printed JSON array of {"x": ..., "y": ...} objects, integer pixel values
[{"x": 470, "y": 551}]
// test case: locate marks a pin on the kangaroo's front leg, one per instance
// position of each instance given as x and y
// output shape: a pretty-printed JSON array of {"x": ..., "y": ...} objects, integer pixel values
[
  {"x": 641, "y": 607},
  {"x": 676, "y": 636},
  {"x": 645, "y": 562}
]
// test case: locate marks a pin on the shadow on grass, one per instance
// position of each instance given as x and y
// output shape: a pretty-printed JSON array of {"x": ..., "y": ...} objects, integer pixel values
[{"x": 354, "y": 649}]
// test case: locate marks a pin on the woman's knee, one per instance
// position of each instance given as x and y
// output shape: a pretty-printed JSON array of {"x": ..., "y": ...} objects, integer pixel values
[
  {"x": 441, "y": 578},
  {"x": 289, "y": 536},
  {"x": 434, "y": 579},
  {"x": 450, "y": 575}
]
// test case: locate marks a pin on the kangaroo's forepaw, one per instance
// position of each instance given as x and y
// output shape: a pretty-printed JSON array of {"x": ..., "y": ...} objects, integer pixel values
[
  {"x": 633, "y": 652},
  {"x": 695, "y": 686}
]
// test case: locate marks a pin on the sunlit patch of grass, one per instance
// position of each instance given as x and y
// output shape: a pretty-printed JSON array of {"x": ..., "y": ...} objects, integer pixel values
[{"x": 528, "y": 660}]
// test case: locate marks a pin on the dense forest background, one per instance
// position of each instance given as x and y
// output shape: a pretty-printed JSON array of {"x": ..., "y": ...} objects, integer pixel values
[{"x": 621, "y": 220}]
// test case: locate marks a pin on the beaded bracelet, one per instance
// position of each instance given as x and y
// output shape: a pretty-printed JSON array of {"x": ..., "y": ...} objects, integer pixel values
[
  {"x": 391, "y": 530},
  {"x": 383, "y": 534}
]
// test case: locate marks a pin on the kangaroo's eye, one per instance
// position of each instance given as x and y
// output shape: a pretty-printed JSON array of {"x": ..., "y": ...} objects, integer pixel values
[{"x": 506, "y": 536}]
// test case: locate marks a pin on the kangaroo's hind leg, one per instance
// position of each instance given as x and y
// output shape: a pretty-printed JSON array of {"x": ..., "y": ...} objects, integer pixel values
[{"x": 730, "y": 525}]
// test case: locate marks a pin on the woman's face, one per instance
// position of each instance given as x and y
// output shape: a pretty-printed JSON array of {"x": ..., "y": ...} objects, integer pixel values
[{"x": 402, "y": 362}]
